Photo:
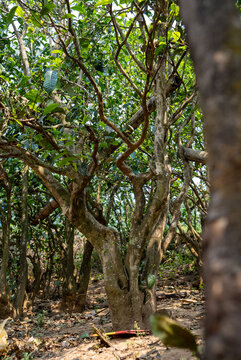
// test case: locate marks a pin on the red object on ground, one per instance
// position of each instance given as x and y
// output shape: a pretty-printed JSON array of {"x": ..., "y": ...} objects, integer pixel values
[{"x": 124, "y": 333}]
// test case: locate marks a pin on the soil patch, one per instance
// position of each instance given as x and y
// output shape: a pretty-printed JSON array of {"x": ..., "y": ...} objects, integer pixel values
[{"x": 47, "y": 333}]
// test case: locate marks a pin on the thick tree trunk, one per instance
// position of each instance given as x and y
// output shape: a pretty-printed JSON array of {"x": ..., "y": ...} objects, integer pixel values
[
  {"x": 23, "y": 269},
  {"x": 116, "y": 283},
  {"x": 127, "y": 302},
  {"x": 214, "y": 30}
]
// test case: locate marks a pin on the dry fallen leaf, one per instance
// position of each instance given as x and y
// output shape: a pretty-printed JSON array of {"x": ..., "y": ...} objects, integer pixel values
[{"x": 3, "y": 337}]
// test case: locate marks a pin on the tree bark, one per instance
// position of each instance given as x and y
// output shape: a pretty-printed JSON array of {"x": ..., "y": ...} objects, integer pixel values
[
  {"x": 75, "y": 290},
  {"x": 68, "y": 302},
  {"x": 23, "y": 269},
  {"x": 37, "y": 272},
  {"x": 45, "y": 212},
  {"x": 84, "y": 276},
  {"x": 195, "y": 155},
  {"x": 214, "y": 31},
  {"x": 5, "y": 305}
]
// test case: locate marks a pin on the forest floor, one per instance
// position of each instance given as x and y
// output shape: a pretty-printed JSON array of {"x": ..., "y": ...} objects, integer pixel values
[{"x": 47, "y": 333}]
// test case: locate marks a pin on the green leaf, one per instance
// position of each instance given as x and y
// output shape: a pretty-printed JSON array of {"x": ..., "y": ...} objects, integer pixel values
[
  {"x": 23, "y": 81},
  {"x": 50, "y": 80},
  {"x": 57, "y": 51},
  {"x": 46, "y": 9},
  {"x": 103, "y": 145},
  {"x": 125, "y": 2},
  {"x": 102, "y": 124},
  {"x": 33, "y": 96},
  {"x": 67, "y": 160},
  {"x": 70, "y": 90},
  {"x": 68, "y": 16},
  {"x": 79, "y": 8},
  {"x": 17, "y": 121},
  {"x": 36, "y": 19},
  {"x": 176, "y": 36},
  {"x": 10, "y": 15},
  {"x": 103, "y": 2},
  {"x": 84, "y": 42},
  {"x": 160, "y": 49},
  {"x": 151, "y": 279},
  {"x": 19, "y": 12},
  {"x": 57, "y": 61},
  {"x": 174, "y": 9},
  {"x": 53, "y": 108},
  {"x": 172, "y": 334}
]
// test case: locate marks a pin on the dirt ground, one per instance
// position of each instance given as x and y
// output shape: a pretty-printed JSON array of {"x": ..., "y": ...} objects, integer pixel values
[{"x": 47, "y": 333}]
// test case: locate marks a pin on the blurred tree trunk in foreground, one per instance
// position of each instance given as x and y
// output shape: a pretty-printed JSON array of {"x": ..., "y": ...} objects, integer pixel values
[{"x": 214, "y": 30}]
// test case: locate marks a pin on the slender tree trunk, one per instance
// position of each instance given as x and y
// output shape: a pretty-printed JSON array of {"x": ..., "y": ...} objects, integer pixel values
[
  {"x": 37, "y": 277},
  {"x": 5, "y": 305},
  {"x": 214, "y": 30},
  {"x": 84, "y": 276},
  {"x": 75, "y": 293},
  {"x": 154, "y": 250},
  {"x": 23, "y": 269},
  {"x": 69, "y": 284}
]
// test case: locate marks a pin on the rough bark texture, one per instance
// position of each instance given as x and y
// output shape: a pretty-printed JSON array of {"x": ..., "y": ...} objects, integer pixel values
[
  {"x": 214, "y": 30},
  {"x": 69, "y": 285}
]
